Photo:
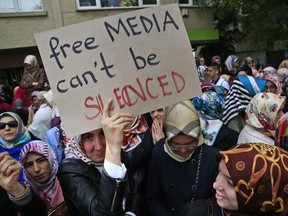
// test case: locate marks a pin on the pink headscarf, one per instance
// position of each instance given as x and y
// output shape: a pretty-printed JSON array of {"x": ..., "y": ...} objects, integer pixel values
[
  {"x": 50, "y": 190},
  {"x": 273, "y": 77}
]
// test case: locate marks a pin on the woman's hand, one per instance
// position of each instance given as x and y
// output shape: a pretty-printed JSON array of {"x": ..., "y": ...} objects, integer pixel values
[
  {"x": 9, "y": 174},
  {"x": 157, "y": 130},
  {"x": 113, "y": 129}
]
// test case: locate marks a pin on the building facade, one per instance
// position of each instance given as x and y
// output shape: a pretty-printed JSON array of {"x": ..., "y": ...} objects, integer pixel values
[{"x": 21, "y": 19}]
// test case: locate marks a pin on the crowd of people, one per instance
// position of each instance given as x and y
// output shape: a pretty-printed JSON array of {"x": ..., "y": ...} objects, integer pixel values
[{"x": 223, "y": 152}]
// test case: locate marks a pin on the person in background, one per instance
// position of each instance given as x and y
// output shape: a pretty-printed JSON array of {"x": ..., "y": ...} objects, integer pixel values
[
  {"x": 213, "y": 72},
  {"x": 281, "y": 133},
  {"x": 252, "y": 180},
  {"x": 13, "y": 135},
  {"x": 201, "y": 69},
  {"x": 40, "y": 168},
  {"x": 244, "y": 70},
  {"x": 33, "y": 107},
  {"x": 93, "y": 161},
  {"x": 182, "y": 169},
  {"x": 17, "y": 198},
  {"x": 210, "y": 107},
  {"x": 262, "y": 115},
  {"x": 42, "y": 119},
  {"x": 231, "y": 63},
  {"x": 217, "y": 59},
  {"x": 158, "y": 125},
  {"x": 23, "y": 112},
  {"x": 243, "y": 89},
  {"x": 34, "y": 78},
  {"x": 20, "y": 93}
]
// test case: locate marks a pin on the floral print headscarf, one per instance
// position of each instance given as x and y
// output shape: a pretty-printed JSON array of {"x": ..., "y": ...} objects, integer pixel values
[
  {"x": 259, "y": 173},
  {"x": 262, "y": 111},
  {"x": 210, "y": 107},
  {"x": 274, "y": 78}
]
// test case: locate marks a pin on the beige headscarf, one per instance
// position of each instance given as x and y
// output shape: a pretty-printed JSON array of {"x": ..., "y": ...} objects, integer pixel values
[{"x": 182, "y": 119}]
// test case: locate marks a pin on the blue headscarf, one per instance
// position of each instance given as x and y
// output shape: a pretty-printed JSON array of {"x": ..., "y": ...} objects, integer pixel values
[{"x": 22, "y": 137}]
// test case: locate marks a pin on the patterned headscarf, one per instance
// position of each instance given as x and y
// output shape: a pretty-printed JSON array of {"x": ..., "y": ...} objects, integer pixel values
[
  {"x": 131, "y": 136},
  {"x": 259, "y": 173},
  {"x": 182, "y": 119},
  {"x": 74, "y": 149},
  {"x": 281, "y": 132},
  {"x": 262, "y": 111},
  {"x": 45, "y": 190},
  {"x": 274, "y": 78},
  {"x": 210, "y": 107}
]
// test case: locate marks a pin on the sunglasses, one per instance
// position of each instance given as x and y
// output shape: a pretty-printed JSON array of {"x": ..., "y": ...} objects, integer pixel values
[{"x": 10, "y": 124}]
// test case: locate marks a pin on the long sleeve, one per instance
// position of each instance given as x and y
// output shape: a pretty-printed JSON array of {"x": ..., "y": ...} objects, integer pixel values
[{"x": 89, "y": 192}]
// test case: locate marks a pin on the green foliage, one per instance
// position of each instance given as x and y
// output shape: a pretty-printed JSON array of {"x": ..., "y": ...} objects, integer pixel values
[{"x": 258, "y": 21}]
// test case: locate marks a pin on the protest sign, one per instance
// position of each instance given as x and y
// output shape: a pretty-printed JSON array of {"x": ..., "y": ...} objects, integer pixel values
[{"x": 141, "y": 59}]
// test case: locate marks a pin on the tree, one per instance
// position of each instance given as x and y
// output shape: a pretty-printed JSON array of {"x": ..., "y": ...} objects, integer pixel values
[{"x": 259, "y": 21}]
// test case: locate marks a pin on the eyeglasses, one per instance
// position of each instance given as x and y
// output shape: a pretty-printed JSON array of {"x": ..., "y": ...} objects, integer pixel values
[
  {"x": 271, "y": 87},
  {"x": 188, "y": 146},
  {"x": 10, "y": 124}
]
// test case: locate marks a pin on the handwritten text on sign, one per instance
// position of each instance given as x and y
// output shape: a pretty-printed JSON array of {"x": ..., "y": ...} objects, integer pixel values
[{"x": 141, "y": 59}]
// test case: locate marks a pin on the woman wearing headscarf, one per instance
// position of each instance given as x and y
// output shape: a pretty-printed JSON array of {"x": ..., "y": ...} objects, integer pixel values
[
  {"x": 252, "y": 180},
  {"x": 34, "y": 78},
  {"x": 93, "y": 162},
  {"x": 40, "y": 168},
  {"x": 182, "y": 169},
  {"x": 281, "y": 133},
  {"x": 17, "y": 198},
  {"x": 13, "y": 135},
  {"x": 210, "y": 107},
  {"x": 262, "y": 115},
  {"x": 231, "y": 64},
  {"x": 273, "y": 83},
  {"x": 136, "y": 153},
  {"x": 242, "y": 91}
]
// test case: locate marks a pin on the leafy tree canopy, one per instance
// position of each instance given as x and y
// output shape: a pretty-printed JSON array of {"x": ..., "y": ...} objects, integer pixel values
[{"x": 259, "y": 21}]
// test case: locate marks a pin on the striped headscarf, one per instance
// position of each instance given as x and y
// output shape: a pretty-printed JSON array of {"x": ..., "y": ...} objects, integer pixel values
[
  {"x": 242, "y": 91},
  {"x": 182, "y": 119},
  {"x": 259, "y": 173}
]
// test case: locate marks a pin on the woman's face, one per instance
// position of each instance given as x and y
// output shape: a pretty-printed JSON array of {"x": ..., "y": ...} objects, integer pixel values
[
  {"x": 8, "y": 128},
  {"x": 270, "y": 87},
  {"x": 183, "y": 145},
  {"x": 158, "y": 114},
  {"x": 225, "y": 192},
  {"x": 37, "y": 167},
  {"x": 94, "y": 145}
]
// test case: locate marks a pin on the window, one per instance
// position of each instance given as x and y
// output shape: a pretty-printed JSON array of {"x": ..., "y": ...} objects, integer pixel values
[
  {"x": 188, "y": 2},
  {"x": 93, "y": 4},
  {"x": 20, "y": 5}
]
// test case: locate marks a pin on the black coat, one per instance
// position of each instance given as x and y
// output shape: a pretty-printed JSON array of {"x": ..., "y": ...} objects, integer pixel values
[
  {"x": 37, "y": 207},
  {"x": 171, "y": 184},
  {"x": 226, "y": 138}
]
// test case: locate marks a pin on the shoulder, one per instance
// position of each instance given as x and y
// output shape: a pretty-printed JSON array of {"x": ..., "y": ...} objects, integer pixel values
[{"x": 73, "y": 165}]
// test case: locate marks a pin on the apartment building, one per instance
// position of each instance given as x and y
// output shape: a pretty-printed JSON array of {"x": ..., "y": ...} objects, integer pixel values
[{"x": 21, "y": 19}]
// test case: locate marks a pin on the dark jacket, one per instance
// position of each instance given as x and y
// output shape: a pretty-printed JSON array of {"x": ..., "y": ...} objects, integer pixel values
[
  {"x": 226, "y": 138},
  {"x": 171, "y": 184},
  {"x": 37, "y": 207},
  {"x": 96, "y": 193},
  {"x": 88, "y": 184}
]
